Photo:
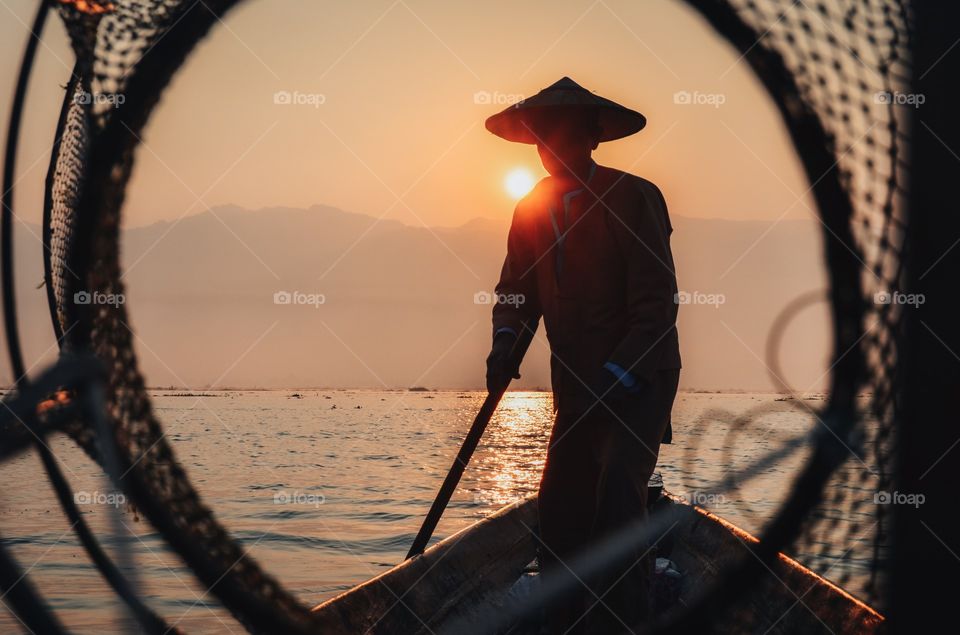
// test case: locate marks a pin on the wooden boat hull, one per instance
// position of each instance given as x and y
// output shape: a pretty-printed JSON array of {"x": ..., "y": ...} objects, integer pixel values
[
  {"x": 790, "y": 599},
  {"x": 473, "y": 569}
]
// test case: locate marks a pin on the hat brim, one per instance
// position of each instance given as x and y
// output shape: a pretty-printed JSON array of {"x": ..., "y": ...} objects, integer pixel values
[{"x": 519, "y": 123}]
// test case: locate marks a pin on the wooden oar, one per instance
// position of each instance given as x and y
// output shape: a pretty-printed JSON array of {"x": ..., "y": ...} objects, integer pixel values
[
  {"x": 463, "y": 456},
  {"x": 456, "y": 471}
]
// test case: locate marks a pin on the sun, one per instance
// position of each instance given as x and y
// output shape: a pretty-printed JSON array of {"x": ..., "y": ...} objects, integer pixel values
[{"x": 518, "y": 182}]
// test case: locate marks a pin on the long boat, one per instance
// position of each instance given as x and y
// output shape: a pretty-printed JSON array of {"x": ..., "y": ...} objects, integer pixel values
[{"x": 479, "y": 567}]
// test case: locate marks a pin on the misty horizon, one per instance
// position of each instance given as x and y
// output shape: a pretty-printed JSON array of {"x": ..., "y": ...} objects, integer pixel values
[{"x": 395, "y": 294}]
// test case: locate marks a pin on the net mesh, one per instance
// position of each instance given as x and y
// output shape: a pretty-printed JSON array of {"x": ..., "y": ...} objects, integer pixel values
[
  {"x": 127, "y": 48},
  {"x": 849, "y": 68},
  {"x": 62, "y": 197},
  {"x": 851, "y": 61}
]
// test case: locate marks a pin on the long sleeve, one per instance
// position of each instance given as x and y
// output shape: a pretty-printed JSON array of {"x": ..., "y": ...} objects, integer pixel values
[
  {"x": 515, "y": 301},
  {"x": 643, "y": 233}
]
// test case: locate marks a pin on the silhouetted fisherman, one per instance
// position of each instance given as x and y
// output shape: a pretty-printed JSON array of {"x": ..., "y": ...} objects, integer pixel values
[{"x": 589, "y": 252}]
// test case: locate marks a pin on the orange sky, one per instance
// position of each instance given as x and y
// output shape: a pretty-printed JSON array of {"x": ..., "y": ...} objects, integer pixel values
[
  {"x": 399, "y": 133},
  {"x": 391, "y": 99}
]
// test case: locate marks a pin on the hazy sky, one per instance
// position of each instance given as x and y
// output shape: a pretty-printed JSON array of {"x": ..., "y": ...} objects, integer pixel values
[
  {"x": 399, "y": 132},
  {"x": 392, "y": 97}
]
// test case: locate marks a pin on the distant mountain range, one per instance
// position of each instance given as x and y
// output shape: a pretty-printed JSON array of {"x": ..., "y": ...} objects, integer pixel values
[{"x": 380, "y": 303}]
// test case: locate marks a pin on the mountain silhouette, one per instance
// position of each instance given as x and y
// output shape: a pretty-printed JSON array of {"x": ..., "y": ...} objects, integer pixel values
[{"x": 378, "y": 303}]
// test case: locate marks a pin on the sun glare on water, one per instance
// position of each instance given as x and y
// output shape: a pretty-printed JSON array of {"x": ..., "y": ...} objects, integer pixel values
[{"x": 519, "y": 182}]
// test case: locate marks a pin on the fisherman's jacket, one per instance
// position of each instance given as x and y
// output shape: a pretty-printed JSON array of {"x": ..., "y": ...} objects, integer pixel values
[{"x": 595, "y": 263}]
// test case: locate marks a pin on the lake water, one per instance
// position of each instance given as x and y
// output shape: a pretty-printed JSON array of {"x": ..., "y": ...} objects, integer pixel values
[{"x": 328, "y": 489}]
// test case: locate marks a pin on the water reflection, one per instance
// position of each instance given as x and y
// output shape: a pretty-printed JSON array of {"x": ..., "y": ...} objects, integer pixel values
[
  {"x": 376, "y": 460},
  {"x": 509, "y": 461}
]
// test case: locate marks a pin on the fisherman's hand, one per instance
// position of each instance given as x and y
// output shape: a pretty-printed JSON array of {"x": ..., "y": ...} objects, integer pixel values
[
  {"x": 501, "y": 365},
  {"x": 614, "y": 387}
]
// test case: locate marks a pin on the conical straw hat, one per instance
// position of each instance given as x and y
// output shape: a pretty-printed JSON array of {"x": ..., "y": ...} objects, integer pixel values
[{"x": 515, "y": 122}]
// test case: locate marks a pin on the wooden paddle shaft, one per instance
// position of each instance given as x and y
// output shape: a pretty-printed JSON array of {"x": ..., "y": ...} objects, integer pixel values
[
  {"x": 456, "y": 471},
  {"x": 466, "y": 451}
]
